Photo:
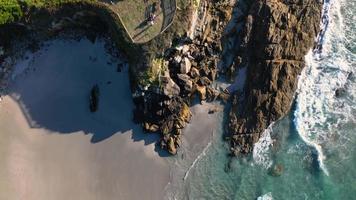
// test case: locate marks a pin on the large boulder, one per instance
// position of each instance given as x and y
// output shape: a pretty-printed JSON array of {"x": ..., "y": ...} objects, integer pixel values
[
  {"x": 185, "y": 66},
  {"x": 169, "y": 87},
  {"x": 171, "y": 146},
  {"x": 201, "y": 90},
  {"x": 185, "y": 82}
]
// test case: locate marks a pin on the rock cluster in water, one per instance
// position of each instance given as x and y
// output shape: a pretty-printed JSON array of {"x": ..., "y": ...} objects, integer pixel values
[{"x": 275, "y": 37}]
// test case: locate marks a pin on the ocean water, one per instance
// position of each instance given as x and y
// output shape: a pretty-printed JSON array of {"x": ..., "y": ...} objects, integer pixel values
[{"x": 314, "y": 147}]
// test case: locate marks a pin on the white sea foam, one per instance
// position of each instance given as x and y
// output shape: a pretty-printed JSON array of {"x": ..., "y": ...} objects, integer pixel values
[
  {"x": 267, "y": 196},
  {"x": 261, "y": 148},
  {"x": 200, "y": 156},
  {"x": 317, "y": 109}
]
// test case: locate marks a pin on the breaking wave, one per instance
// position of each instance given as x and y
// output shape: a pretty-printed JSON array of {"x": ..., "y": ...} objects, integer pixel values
[
  {"x": 261, "y": 148},
  {"x": 267, "y": 196},
  {"x": 319, "y": 110},
  {"x": 202, "y": 154}
]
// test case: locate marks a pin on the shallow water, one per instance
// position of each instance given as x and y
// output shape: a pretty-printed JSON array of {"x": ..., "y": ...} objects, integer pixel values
[{"x": 314, "y": 144}]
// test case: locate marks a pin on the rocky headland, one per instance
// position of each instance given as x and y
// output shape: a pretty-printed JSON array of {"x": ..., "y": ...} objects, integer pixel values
[
  {"x": 275, "y": 37},
  {"x": 169, "y": 72}
]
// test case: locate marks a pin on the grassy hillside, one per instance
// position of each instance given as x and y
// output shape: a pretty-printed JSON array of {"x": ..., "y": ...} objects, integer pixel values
[{"x": 12, "y": 10}]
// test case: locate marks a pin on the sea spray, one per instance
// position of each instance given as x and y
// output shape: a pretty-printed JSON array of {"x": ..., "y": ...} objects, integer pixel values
[
  {"x": 328, "y": 68},
  {"x": 261, "y": 148}
]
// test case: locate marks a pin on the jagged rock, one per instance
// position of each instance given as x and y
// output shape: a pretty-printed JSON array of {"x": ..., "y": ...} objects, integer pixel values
[
  {"x": 212, "y": 75},
  {"x": 170, "y": 88},
  {"x": 171, "y": 147},
  {"x": 201, "y": 90},
  {"x": 178, "y": 59},
  {"x": 194, "y": 73},
  {"x": 204, "y": 81},
  {"x": 167, "y": 126},
  {"x": 224, "y": 96},
  {"x": 185, "y": 66},
  {"x": 211, "y": 94},
  {"x": 185, "y": 113},
  {"x": 151, "y": 127},
  {"x": 177, "y": 142},
  {"x": 185, "y": 49},
  {"x": 185, "y": 82},
  {"x": 275, "y": 38}
]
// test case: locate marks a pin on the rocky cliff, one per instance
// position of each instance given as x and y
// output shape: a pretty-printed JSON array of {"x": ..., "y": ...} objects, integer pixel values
[{"x": 274, "y": 40}]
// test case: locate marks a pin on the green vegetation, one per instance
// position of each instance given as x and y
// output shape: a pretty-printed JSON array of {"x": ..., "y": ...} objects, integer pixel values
[
  {"x": 134, "y": 13},
  {"x": 12, "y": 10},
  {"x": 152, "y": 74},
  {"x": 9, "y": 11}
]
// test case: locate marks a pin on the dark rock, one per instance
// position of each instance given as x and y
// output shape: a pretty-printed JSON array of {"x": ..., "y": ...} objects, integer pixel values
[
  {"x": 204, "y": 81},
  {"x": 194, "y": 73},
  {"x": 340, "y": 92},
  {"x": 185, "y": 66},
  {"x": 94, "y": 98},
  {"x": 185, "y": 82},
  {"x": 276, "y": 170},
  {"x": 213, "y": 110},
  {"x": 211, "y": 94},
  {"x": 151, "y": 127},
  {"x": 201, "y": 90},
  {"x": 170, "y": 88},
  {"x": 171, "y": 147}
]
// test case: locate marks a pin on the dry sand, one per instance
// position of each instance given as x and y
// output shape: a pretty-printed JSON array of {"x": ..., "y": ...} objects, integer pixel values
[{"x": 52, "y": 147}]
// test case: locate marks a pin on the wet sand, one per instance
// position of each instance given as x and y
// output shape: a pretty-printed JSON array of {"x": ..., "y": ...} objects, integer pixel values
[{"x": 52, "y": 147}]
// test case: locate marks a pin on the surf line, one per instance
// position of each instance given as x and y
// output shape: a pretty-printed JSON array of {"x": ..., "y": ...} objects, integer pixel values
[{"x": 200, "y": 156}]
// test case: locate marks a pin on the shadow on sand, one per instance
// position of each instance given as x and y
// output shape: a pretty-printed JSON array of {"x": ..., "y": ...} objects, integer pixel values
[{"x": 54, "y": 94}]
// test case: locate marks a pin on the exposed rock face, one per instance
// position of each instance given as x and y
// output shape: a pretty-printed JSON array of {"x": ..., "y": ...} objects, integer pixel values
[
  {"x": 170, "y": 88},
  {"x": 276, "y": 36}
]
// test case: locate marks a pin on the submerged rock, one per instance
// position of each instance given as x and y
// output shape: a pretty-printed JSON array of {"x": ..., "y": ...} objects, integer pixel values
[
  {"x": 340, "y": 92},
  {"x": 276, "y": 170}
]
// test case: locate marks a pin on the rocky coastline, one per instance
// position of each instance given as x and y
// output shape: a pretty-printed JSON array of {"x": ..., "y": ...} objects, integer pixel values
[
  {"x": 186, "y": 71},
  {"x": 170, "y": 71},
  {"x": 275, "y": 37}
]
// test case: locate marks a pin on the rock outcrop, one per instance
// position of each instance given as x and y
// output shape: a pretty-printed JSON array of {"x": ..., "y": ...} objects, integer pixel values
[
  {"x": 276, "y": 36},
  {"x": 190, "y": 70}
]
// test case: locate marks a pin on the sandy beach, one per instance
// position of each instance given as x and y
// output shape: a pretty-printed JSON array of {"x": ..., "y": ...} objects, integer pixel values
[{"x": 52, "y": 147}]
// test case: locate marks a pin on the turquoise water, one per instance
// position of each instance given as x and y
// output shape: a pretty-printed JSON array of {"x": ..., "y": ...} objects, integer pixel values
[{"x": 315, "y": 144}]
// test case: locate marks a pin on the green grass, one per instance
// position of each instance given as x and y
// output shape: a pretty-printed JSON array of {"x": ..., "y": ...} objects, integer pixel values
[
  {"x": 132, "y": 14},
  {"x": 11, "y": 10}
]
